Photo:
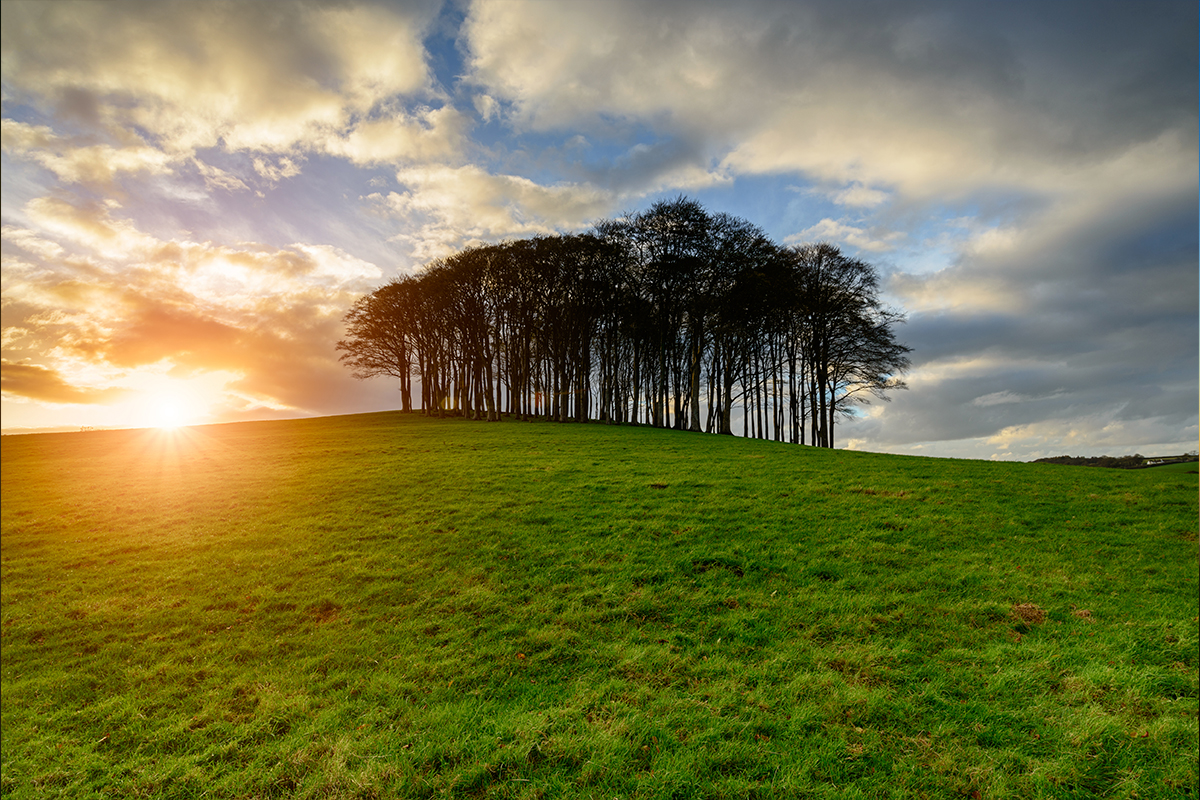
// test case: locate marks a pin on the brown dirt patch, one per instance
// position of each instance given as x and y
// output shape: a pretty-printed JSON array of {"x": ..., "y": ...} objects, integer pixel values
[{"x": 1028, "y": 613}]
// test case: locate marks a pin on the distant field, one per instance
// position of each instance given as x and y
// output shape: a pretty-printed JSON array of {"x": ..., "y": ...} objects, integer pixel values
[
  {"x": 1185, "y": 467},
  {"x": 389, "y": 606}
]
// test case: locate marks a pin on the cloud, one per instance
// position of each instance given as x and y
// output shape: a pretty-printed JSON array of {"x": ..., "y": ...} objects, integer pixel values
[
  {"x": 425, "y": 134},
  {"x": 1102, "y": 433},
  {"x": 1091, "y": 434},
  {"x": 1001, "y": 398},
  {"x": 30, "y": 242},
  {"x": 1044, "y": 328},
  {"x": 928, "y": 101},
  {"x": 154, "y": 332},
  {"x": 90, "y": 225},
  {"x": 486, "y": 106},
  {"x": 75, "y": 163},
  {"x": 563, "y": 65},
  {"x": 127, "y": 304},
  {"x": 338, "y": 267},
  {"x": 828, "y": 230},
  {"x": 245, "y": 76},
  {"x": 285, "y": 168},
  {"x": 448, "y": 207},
  {"x": 859, "y": 196},
  {"x": 672, "y": 164},
  {"x": 215, "y": 178},
  {"x": 35, "y": 382}
]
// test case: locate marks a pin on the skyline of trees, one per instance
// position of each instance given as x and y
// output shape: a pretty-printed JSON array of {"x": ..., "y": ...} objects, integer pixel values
[{"x": 672, "y": 317}]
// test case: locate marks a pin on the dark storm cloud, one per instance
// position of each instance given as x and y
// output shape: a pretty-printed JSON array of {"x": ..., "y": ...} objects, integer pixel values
[
  {"x": 993, "y": 91},
  {"x": 1101, "y": 320}
]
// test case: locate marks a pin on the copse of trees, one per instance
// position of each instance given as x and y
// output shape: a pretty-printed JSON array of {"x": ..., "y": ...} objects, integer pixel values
[{"x": 671, "y": 317}]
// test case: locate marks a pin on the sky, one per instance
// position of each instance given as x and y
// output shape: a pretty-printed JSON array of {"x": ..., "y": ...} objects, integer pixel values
[{"x": 195, "y": 193}]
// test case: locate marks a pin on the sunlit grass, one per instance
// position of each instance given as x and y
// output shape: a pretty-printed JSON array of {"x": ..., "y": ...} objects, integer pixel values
[{"x": 390, "y": 606}]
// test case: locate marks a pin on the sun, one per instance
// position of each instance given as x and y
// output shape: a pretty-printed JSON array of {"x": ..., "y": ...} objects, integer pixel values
[
  {"x": 170, "y": 411},
  {"x": 165, "y": 402},
  {"x": 169, "y": 415}
]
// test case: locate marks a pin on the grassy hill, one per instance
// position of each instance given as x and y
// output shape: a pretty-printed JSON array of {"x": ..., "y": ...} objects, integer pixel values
[{"x": 389, "y": 606}]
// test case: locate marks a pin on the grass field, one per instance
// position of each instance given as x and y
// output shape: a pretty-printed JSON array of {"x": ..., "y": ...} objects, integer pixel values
[
  {"x": 1186, "y": 466},
  {"x": 389, "y": 606}
]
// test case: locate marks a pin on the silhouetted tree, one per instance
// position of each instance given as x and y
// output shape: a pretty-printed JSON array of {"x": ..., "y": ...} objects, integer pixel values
[
  {"x": 850, "y": 350},
  {"x": 380, "y": 335},
  {"x": 672, "y": 315}
]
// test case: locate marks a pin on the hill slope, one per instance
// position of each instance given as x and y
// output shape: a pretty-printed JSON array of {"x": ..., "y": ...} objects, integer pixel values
[{"x": 384, "y": 605}]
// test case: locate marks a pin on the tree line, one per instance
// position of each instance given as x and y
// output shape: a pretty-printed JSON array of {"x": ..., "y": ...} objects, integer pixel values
[
  {"x": 1135, "y": 461},
  {"x": 671, "y": 317}
]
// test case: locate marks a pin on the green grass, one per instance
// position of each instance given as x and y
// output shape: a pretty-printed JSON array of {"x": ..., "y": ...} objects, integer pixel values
[{"x": 389, "y": 606}]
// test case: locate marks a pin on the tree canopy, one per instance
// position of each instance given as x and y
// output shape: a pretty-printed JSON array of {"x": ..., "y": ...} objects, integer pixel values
[{"x": 672, "y": 317}]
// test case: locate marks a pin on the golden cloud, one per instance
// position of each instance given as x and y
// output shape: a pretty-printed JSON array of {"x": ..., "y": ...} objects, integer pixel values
[
  {"x": 30, "y": 242},
  {"x": 429, "y": 134},
  {"x": 448, "y": 207},
  {"x": 129, "y": 305},
  {"x": 35, "y": 382},
  {"x": 561, "y": 64},
  {"x": 74, "y": 163},
  {"x": 253, "y": 76},
  {"x": 90, "y": 225}
]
